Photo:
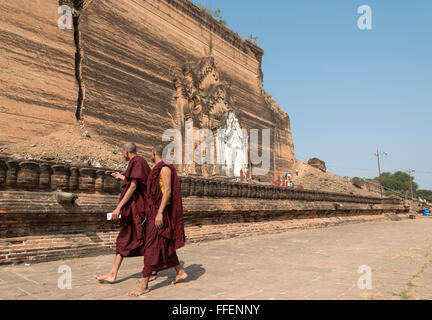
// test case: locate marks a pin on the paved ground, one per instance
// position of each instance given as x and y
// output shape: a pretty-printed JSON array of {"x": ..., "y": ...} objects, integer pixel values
[{"x": 309, "y": 264}]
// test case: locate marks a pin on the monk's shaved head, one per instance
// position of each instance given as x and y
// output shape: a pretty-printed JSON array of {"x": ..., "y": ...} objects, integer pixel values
[
  {"x": 130, "y": 147},
  {"x": 158, "y": 149}
]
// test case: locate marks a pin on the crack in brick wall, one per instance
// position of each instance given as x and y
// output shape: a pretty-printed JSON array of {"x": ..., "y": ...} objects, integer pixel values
[
  {"x": 78, "y": 7},
  {"x": 79, "y": 54}
]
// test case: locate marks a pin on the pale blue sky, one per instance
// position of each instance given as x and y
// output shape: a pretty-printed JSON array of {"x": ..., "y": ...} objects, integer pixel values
[{"x": 347, "y": 91}]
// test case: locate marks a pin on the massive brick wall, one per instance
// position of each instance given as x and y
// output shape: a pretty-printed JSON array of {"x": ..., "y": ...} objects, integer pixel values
[
  {"x": 38, "y": 91},
  {"x": 35, "y": 227},
  {"x": 128, "y": 53},
  {"x": 133, "y": 51}
]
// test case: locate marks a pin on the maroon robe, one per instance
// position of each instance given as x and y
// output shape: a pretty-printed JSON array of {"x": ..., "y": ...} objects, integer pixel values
[
  {"x": 161, "y": 244},
  {"x": 130, "y": 241}
]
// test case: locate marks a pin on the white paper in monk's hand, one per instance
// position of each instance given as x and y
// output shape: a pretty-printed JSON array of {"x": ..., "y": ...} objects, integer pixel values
[{"x": 109, "y": 216}]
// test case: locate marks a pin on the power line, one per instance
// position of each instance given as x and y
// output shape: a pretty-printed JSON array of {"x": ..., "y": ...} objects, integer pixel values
[
  {"x": 410, "y": 171},
  {"x": 329, "y": 165},
  {"x": 360, "y": 169},
  {"x": 379, "y": 154},
  {"x": 357, "y": 169},
  {"x": 336, "y": 166},
  {"x": 423, "y": 172}
]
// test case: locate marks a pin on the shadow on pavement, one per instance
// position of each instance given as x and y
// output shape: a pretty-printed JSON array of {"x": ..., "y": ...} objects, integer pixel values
[{"x": 194, "y": 271}]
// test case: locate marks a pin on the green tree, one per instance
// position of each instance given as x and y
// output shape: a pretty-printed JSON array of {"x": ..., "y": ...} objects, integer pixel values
[
  {"x": 425, "y": 194},
  {"x": 252, "y": 39},
  {"x": 398, "y": 181}
]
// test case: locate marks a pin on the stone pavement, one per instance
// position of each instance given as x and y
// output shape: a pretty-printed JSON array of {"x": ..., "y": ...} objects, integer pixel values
[{"x": 302, "y": 264}]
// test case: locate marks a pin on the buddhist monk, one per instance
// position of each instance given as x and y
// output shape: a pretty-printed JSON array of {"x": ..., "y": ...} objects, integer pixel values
[
  {"x": 164, "y": 226},
  {"x": 130, "y": 210}
]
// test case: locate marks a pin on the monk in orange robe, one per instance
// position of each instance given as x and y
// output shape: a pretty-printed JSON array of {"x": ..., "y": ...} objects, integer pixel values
[{"x": 164, "y": 226}]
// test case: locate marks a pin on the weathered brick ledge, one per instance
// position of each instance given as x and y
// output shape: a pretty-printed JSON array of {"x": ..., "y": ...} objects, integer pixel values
[
  {"x": 35, "y": 227},
  {"x": 41, "y": 176},
  {"x": 45, "y": 176}
]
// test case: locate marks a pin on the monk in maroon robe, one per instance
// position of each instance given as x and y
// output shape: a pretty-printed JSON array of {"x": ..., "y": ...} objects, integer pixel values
[
  {"x": 164, "y": 225},
  {"x": 130, "y": 210}
]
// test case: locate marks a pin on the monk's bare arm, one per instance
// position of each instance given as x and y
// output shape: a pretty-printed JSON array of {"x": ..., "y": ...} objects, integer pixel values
[
  {"x": 129, "y": 193},
  {"x": 166, "y": 180}
]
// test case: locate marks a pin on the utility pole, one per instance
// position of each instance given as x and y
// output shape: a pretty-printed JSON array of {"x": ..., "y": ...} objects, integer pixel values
[
  {"x": 410, "y": 171},
  {"x": 379, "y": 154}
]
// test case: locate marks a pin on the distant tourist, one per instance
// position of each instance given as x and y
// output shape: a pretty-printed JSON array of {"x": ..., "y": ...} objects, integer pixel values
[
  {"x": 130, "y": 210},
  {"x": 297, "y": 172},
  {"x": 164, "y": 226}
]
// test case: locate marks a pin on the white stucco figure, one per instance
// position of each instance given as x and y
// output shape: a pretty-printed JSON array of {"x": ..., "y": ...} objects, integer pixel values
[{"x": 231, "y": 146}]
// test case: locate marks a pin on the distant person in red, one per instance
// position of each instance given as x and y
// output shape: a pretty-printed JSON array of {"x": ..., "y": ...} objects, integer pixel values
[
  {"x": 130, "y": 241},
  {"x": 164, "y": 226}
]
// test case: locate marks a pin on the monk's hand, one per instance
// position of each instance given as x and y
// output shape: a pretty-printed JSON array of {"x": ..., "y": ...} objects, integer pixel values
[
  {"x": 116, "y": 214},
  {"x": 159, "y": 220},
  {"x": 117, "y": 175}
]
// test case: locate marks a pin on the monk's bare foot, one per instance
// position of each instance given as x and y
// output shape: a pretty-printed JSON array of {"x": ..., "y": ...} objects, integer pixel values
[
  {"x": 138, "y": 292},
  {"x": 108, "y": 278},
  {"x": 142, "y": 289},
  {"x": 182, "y": 275},
  {"x": 152, "y": 278}
]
